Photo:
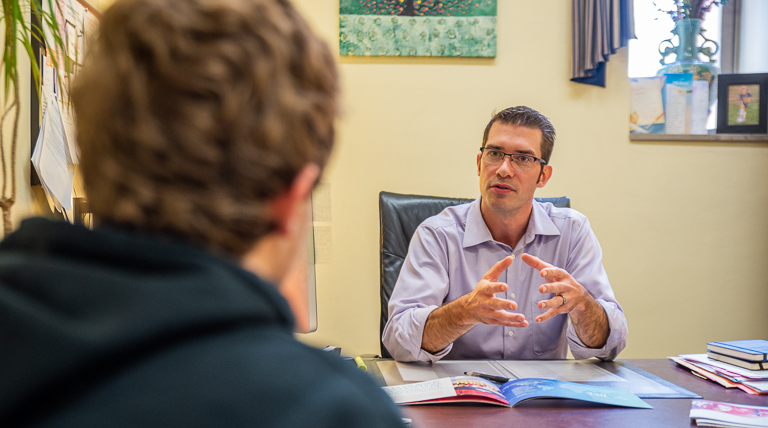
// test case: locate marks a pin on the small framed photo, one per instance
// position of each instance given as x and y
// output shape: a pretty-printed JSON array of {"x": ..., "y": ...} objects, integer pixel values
[{"x": 742, "y": 103}]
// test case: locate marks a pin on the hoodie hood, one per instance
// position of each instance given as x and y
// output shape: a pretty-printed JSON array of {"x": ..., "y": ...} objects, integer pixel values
[{"x": 77, "y": 305}]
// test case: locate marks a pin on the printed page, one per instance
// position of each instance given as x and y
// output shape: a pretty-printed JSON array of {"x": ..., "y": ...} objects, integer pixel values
[
  {"x": 36, "y": 162},
  {"x": 421, "y": 391},
  {"x": 68, "y": 121},
  {"x": 55, "y": 165},
  {"x": 646, "y": 100},
  {"x": 90, "y": 28},
  {"x": 676, "y": 110},
  {"x": 700, "y": 107},
  {"x": 47, "y": 85},
  {"x": 571, "y": 371}
]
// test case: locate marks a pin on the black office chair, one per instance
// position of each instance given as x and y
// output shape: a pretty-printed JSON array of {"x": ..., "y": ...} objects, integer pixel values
[{"x": 399, "y": 216}]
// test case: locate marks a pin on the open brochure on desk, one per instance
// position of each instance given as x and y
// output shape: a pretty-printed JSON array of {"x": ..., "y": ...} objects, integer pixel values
[
  {"x": 475, "y": 389},
  {"x": 607, "y": 374}
]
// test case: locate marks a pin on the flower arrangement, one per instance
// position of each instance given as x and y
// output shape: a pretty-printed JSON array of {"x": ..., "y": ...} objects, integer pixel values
[{"x": 692, "y": 9}]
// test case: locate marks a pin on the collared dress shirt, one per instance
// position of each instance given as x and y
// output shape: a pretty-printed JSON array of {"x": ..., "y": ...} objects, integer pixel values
[{"x": 450, "y": 253}]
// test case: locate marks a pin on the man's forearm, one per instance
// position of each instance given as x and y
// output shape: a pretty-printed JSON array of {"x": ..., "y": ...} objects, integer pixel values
[
  {"x": 591, "y": 324},
  {"x": 444, "y": 325}
]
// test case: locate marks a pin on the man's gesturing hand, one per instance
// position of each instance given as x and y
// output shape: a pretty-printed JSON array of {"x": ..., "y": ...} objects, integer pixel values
[
  {"x": 587, "y": 315},
  {"x": 449, "y": 322},
  {"x": 560, "y": 282},
  {"x": 482, "y": 306}
]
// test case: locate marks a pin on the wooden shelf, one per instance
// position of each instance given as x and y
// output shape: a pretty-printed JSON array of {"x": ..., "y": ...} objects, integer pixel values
[{"x": 700, "y": 137}]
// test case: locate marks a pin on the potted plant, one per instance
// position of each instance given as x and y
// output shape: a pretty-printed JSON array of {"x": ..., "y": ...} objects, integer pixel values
[{"x": 23, "y": 22}]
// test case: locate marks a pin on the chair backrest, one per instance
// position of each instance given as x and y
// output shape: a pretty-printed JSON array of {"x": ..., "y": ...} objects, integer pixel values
[{"x": 399, "y": 216}]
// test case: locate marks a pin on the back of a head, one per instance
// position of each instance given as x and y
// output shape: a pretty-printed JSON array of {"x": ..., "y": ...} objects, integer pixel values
[{"x": 193, "y": 114}]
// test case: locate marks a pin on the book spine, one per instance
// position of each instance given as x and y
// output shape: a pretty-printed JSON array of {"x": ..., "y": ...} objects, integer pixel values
[
  {"x": 736, "y": 352},
  {"x": 750, "y": 365}
]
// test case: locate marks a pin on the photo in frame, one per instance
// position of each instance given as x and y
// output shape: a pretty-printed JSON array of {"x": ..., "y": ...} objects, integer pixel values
[{"x": 742, "y": 103}]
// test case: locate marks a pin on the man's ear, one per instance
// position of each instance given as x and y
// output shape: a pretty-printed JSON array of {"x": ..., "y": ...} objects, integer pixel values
[
  {"x": 285, "y": 207},
  {"x": 546, "y": 174},
  {"x": 478, "y": 163}
]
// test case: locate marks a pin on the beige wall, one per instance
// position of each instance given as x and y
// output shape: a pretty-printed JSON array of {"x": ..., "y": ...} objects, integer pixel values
[{"x": 684, "y": 226}]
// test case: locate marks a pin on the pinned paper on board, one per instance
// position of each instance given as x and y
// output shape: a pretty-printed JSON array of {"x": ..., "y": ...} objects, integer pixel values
[
  {"x": 53, "y": 161},
  {"x": 55, "y": 152}
]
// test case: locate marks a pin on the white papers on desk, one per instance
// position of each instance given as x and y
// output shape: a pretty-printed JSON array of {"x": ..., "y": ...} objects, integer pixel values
[
  {"x": 422, "y": 371},
  {"x": 746, "y": 373},
  {"x": 760, "y": 386},
  {"x": 416, "y": 372},
  {"x": 52, "y": 159},
  {"x": 571, "y": 371},
  {"x": 409, "y": 393},
  {"x": 568, "y": 370}
]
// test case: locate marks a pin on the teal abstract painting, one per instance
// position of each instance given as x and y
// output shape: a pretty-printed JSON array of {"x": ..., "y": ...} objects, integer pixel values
[{"x": 417, "y": 28}]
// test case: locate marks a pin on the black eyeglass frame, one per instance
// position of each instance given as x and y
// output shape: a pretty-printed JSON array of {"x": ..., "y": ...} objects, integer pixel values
[{"x": 540, "y": 160}]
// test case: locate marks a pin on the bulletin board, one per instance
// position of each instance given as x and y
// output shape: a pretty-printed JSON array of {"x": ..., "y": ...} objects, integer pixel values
[{"x": 78, "y": 21}]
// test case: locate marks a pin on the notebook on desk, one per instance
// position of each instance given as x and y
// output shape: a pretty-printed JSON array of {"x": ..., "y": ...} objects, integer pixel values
[{"x": 613, "y": 374}]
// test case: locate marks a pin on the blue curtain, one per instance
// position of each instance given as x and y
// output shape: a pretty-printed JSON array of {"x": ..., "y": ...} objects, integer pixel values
[{"x": 600, "y": 28}]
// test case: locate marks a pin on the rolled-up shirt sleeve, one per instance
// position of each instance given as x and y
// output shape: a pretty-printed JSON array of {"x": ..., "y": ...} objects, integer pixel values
[
  {"x": 585, "y": 264},
  {"x": 420, "y": 289}
]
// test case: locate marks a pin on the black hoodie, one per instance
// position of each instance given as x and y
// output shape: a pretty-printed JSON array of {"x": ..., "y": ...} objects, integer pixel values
[{"x": 109, "y": 328}]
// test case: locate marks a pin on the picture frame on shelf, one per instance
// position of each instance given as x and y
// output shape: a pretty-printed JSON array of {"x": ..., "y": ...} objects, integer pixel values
[{"x": 742, "y": 103}]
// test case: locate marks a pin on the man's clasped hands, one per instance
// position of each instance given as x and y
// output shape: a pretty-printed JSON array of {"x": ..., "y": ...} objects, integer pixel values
[{"x": 489, "y": 309}]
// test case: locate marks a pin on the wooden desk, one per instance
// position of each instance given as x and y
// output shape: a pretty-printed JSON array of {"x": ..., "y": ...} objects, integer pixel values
[{"x": 570, "y": 413}]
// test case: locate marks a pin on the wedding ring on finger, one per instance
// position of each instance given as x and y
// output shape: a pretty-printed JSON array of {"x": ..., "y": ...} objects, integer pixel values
[{"x": 563, "y": 298}]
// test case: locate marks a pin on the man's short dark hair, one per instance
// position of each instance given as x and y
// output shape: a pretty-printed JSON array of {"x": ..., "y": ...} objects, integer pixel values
[
  {"x": 193, "y": 114},
  {"x": 528, "y": 118}
]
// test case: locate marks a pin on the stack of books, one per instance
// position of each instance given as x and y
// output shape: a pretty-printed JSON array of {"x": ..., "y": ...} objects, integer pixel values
[
  {"x": 749, "y": 354},
  {"x": 741, "y": 364}
]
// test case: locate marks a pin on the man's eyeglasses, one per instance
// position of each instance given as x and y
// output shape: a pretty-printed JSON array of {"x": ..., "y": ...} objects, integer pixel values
[{"x": 521, "y": 162}]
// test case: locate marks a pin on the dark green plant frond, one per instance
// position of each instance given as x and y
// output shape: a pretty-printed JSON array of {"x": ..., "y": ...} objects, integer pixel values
[{"x": 19, "y": 30}]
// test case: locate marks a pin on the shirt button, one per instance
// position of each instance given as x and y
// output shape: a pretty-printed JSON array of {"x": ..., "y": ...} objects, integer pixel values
[
  {"x": 510, "y": 333},
  {"x": 512, "y": 295}
]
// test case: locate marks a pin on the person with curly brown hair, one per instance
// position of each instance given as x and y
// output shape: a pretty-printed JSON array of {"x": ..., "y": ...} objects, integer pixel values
[{"x": 203, "y": 126}]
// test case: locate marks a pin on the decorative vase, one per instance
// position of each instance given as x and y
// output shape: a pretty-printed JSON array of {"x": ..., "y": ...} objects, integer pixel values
[{"x": 687, "y": 55}]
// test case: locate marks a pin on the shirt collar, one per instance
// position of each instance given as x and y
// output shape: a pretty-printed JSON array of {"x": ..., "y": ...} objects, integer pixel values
[{"x": 477, "y": 232}]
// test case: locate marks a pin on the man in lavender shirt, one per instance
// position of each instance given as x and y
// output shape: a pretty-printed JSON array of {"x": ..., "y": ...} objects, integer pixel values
[{"x": 462, "y": 295}]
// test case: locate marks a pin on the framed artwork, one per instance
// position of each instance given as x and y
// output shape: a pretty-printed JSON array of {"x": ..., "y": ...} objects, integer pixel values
[
  {"x": 453, "y": 28},
  {"x": 742, "y": 103}
]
